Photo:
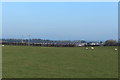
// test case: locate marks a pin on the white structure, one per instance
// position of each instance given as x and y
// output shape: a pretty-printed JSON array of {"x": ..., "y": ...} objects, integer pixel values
[
  {"x": 81, "y": 44},
  {"x": 93, "y": 44}
]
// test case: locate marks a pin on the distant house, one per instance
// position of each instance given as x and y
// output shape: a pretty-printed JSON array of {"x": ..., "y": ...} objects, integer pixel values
[
  {"x": 81, "y": 44},
  {"x": 96, "y": 44}
]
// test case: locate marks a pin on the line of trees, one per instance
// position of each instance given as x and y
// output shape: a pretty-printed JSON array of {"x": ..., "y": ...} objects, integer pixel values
[
  {"x": 57, "y": 43},
  {"x": 42, "y": 41},
  {"x": 40, "y": 44},
  {"x": 111, "y": 43}
]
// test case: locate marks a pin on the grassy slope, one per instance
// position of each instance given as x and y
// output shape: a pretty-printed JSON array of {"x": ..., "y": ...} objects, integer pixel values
[{"x": 41, "y": 62}]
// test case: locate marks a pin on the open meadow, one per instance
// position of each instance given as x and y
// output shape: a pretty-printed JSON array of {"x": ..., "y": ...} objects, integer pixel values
[{"x": 59, "y": 62}]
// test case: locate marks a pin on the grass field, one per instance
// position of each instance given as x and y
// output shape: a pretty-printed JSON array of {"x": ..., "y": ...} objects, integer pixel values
[{"x": 59, "y": 62}]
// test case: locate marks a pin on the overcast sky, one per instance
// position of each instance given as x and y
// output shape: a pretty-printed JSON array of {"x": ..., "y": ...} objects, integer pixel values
[{"x": 61, "y": 20}]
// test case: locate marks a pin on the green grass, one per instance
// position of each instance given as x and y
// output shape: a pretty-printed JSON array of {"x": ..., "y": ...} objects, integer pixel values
[{"x": 59, "y": 62}]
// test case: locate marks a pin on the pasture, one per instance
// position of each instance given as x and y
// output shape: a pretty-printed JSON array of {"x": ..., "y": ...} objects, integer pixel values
[{"x": 59, "y": 62}]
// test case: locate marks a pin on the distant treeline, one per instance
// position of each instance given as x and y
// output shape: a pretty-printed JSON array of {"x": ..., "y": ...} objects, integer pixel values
[
  {"x": 57, "y": 43},
  {"x": 41, "y": 41}
]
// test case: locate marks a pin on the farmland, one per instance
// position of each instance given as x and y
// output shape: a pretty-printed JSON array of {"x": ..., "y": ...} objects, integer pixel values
[{"x": 59, "y": 62}]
